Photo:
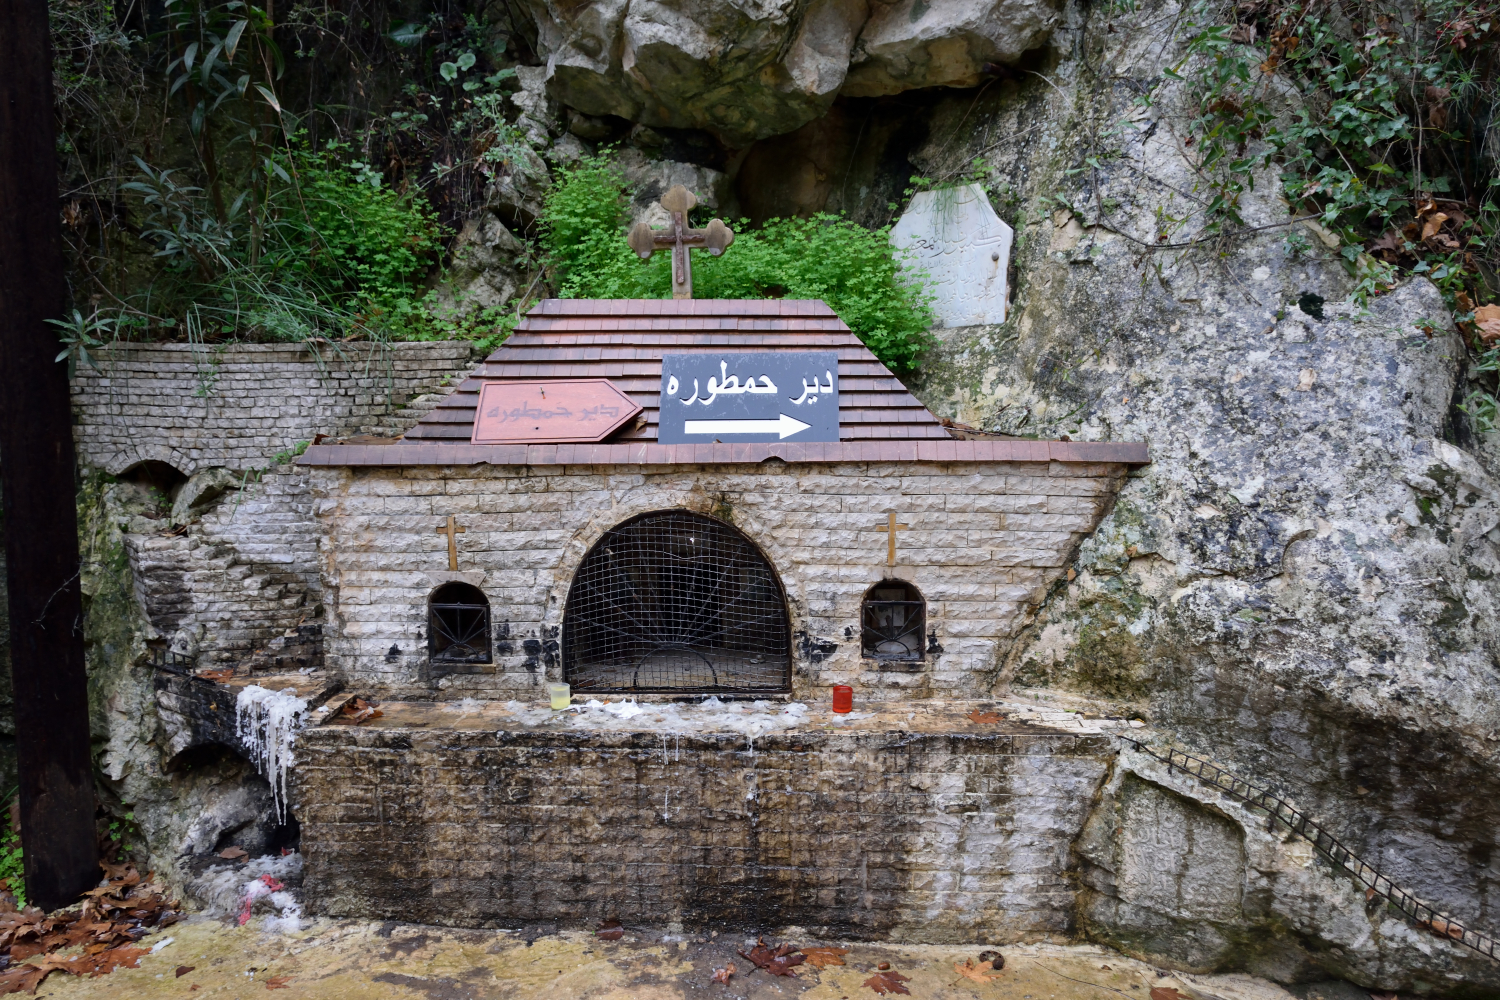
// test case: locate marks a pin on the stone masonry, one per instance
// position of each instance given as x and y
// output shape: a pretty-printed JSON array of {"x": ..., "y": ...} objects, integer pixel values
[
  {"x": 984, "y": 541},
  {"x": 961, "y": 835},
  {"x": 238, "y": 576},
  {"x": 229, "y": 575},
  {"x": 196, "y": 407}
]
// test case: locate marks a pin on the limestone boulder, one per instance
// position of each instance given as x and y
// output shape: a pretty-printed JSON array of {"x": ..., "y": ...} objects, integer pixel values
[
  {"x": 649, "y": 179},
  {"x": 518, "y": 188},
  {"x": 743, "y": 70},
  {"x": 911, "y": 44},
  {"x": 487, "y": 266}
]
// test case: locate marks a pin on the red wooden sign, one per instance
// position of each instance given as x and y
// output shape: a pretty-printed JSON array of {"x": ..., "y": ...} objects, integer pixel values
[{"x": 550, "y": 411}]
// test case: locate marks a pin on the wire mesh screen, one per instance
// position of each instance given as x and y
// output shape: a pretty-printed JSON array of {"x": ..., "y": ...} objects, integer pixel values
[
  {"x": 675, "y": 601},
  {"x": 894, "y": 617},
  {"x": 458, "y": 625}
]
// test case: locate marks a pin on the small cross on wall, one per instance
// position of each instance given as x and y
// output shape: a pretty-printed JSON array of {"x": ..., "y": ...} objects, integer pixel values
[
  {"x": 890, "y": 528},
  {"x": 452, "y": 530},
  {"x": 679, "y": 238}
]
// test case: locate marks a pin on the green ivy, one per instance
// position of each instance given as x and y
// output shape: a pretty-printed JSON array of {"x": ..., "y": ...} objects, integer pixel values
[{"x": 825, "y": 257}]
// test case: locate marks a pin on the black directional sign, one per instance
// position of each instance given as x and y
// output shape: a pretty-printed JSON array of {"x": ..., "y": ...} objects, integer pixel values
[{"x": 749, "y": 397}]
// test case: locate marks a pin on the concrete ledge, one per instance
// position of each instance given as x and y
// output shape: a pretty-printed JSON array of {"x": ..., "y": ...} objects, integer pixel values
[{"x": 954, "y": 833}]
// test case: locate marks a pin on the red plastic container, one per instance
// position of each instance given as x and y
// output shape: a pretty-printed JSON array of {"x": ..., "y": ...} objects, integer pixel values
[{"x": 843, "y": 698}]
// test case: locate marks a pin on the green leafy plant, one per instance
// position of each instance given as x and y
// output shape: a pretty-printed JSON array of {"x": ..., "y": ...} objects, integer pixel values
[
  {"x": 77, "y": 335},
  {"x": 1376, "y": 122},
  {"x": 12, "y": 857},
  {"x": 826, "y": 257}
]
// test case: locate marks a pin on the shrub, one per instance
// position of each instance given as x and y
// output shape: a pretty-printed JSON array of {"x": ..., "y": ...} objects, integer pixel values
[{"x": 825, "y": 257}]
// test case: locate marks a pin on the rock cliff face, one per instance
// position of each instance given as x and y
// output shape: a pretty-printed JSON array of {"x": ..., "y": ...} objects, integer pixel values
[
  {"x": 748, "y": 70},
  {"x": 1303, "y": 581}
]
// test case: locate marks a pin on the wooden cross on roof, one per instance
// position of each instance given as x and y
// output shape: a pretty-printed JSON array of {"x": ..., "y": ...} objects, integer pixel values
[{"x": 679, "y": 238}]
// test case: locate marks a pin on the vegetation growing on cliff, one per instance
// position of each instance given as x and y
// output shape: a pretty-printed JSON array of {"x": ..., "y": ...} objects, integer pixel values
[
  {"x": 825, "y": 257},
  {"x": 1376, "y": 115}
]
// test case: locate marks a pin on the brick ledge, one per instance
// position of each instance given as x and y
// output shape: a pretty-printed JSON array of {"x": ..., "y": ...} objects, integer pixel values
[{"x": 1089, "y": 452}]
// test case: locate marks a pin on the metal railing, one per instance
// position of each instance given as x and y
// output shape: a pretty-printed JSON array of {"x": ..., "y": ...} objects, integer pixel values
[
  {"x": 166, "y": 660},
  {"x": 1327, "y": 844}
]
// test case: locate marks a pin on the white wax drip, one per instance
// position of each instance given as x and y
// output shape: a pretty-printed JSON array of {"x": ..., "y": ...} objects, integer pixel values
[{"x": 267, "y": 723}]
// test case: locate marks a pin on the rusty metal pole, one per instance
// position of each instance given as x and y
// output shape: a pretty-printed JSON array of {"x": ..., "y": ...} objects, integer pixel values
[{"x": 39, "y": 481}]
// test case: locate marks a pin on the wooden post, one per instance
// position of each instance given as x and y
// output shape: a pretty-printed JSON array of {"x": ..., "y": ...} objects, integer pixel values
[{"x": 38, "y": 477}]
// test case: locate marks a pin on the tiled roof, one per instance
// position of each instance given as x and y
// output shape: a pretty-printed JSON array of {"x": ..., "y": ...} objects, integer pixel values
[{"x": 623, "y": 340}]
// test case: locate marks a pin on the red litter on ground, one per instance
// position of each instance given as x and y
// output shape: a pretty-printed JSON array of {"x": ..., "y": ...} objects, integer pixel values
[{"x": 843, "y": 698}]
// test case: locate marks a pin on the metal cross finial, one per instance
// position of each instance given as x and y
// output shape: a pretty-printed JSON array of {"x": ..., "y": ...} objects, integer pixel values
[
  {"x": 677, "y": 237},
  {"x": 452, "y": 530}
]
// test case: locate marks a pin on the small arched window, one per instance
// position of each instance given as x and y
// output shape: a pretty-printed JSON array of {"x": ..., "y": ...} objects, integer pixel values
[
  {"x": 894, "y": 618},
  {"x": 458, "y": 625}
]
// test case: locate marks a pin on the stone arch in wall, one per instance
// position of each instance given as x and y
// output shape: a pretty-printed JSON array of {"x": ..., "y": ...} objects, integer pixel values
[
  {"x": 458, "y": 629},
  {"x": 893, "y": 623},
  {"x": 146, "y": 453},
  {"x": 675, "y": 600}
]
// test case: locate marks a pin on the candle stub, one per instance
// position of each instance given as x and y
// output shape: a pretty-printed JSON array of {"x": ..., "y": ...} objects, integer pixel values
[
  {"x": 843, "y": 698},
  {"x": 561, "y": 695}
]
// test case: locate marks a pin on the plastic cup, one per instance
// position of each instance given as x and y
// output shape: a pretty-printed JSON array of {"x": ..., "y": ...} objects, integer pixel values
[
  {"x": 561, "y": 695},
  {"x": 843, "y": 698}
]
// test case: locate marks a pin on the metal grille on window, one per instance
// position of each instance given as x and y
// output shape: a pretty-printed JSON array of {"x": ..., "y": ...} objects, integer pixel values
[
  {"x": 675, "y": 601},
  {"x": 458, "y": 625},
  {"x": 894, "y": 617}
]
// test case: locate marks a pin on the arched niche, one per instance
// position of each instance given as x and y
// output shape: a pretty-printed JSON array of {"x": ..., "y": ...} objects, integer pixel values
[
  {"x": 893, "y": 621},
  {"x": 673, "y": 600},
  {"x": 458, "y": 626}
]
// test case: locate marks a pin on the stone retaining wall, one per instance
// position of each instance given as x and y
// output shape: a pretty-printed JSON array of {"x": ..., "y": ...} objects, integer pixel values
[
  {"x": 918, "y": 837},
  {"x": 984, "y": 542},
  {"x": 196, "y": 407}
]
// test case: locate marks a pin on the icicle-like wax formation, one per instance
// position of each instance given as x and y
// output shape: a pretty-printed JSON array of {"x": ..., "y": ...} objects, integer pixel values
[{"x": 267, "y": 723}]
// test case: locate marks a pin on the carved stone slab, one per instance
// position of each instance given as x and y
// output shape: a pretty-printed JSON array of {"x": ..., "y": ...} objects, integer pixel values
[
  {"x": 550, "y": 411},
  {"x": 956, "y": 237}
]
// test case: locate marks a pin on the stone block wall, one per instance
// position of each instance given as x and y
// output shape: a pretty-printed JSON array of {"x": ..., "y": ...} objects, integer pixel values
[
  {"x": 238, "y": 576},
  {"x": 196, "y": 407},
  {"x": 242, "y": 570},
  {"x": 919, "y": 837},
  {"x": 984, "y": 542}
]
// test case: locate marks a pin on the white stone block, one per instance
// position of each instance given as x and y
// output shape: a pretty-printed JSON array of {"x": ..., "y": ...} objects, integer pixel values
[{"x": 956, "y": 237}]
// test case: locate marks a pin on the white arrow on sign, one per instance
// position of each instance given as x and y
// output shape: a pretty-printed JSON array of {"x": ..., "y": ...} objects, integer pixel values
[{"x": 783, "y": 427}]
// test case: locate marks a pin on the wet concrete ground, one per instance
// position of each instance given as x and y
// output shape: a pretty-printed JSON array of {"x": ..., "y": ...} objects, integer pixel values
[{"x": 354, "y": 960}]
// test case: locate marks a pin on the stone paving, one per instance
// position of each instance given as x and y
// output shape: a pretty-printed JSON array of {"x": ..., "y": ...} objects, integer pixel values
[{"x": 354, "y": 960}]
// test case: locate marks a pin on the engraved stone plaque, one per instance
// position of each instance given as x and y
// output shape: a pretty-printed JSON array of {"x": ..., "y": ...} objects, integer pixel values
[{"x": 956, "y": 237}]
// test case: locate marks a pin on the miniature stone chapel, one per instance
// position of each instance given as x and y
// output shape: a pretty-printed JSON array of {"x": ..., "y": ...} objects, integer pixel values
[
  {"x": 700, "y": 515},
  {"x": 691, "y": 497}
]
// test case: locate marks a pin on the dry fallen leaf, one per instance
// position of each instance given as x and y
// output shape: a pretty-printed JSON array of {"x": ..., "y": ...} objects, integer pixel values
[
  {"x": 218, "y": 676},
  {"x": 1377, "y": 995},
  {"x": 983, "y": 717},
  {"x": 610, "y": 930},
  {"x": 722, "y": 975},
  {"x": 969, "y": 969},
  {"x": 778, "y": 961},
  {"x": 357, "y": 710},
  {"x": 1487, "y": 319},
  {"x": 1165, "y": 993},
  {"x": 888, "y": 982},
  {"x": 823, "y": 957},
  {"x": 278, "y": 983},
  {"x": 234, "y": 854},
  {"x": 183, "y": 970},
  {"x": 1305, "y": 379}
]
